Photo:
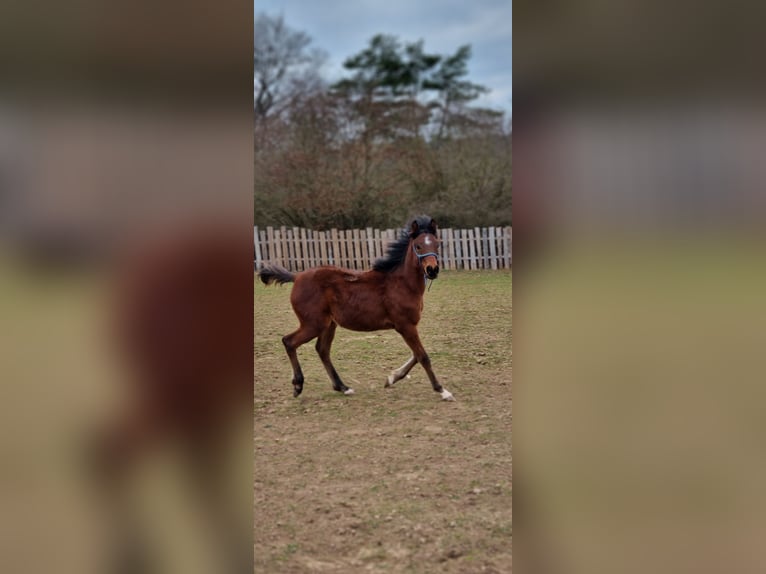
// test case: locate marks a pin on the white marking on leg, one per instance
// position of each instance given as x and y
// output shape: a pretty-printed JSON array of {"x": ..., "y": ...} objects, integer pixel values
[
  {"x": 348, "y": 392},
  {"x": 401, "y": 372},
  {"x": 446, "y": 395}
]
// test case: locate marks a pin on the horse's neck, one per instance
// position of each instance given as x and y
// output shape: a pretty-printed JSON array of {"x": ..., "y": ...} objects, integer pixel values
[{"x": 412, "y": 274}]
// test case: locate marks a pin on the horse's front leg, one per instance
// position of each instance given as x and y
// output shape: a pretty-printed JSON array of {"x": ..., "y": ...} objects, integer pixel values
[
  {"x": 401, "y": 372},
  {"x": 411, "y": 337}
]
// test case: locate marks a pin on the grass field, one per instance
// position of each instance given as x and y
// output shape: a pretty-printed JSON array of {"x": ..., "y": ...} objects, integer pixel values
[{"x": 388, "y": 480}]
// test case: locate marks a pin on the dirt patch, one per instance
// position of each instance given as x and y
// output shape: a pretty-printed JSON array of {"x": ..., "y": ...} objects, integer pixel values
[{"x": 388, "y": 480}]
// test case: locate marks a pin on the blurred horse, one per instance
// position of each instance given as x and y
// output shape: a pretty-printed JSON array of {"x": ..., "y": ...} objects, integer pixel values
[{"x": 183, "y": 321}]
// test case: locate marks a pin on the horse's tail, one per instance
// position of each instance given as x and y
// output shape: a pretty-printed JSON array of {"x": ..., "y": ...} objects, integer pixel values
[{"x": 275, "y": 274}]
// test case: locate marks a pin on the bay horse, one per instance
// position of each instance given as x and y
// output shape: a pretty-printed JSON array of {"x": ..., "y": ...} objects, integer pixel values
[
  {"x": 181, "y": 321},
  {"x": 389, "y": 296}
]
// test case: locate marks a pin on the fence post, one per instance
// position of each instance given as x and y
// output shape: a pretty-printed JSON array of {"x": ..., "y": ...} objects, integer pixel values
[
  {"x": 305, "y": 248},
  {"x": 370, "y": 247},
  {"x": 270, "y": 239},
  {"x": 458, "y": 249},
  {"x": 443, "y": 248},
  {"x": 492, "y": 250},
  {"x": 289, "y": 250},
  {"x": 343, "y": 246},
  {"x": 507, "y": 246},
  {"x": 280, "y": 246},
  {"x": 449, "y": 247},
  {"x": 354, "y": 243},
  {"x": 469, "y": 253},
  {"x": 312, "y": 247},
  {"x": 321, "y": 248},
  {"x": 257, "y": 248}
]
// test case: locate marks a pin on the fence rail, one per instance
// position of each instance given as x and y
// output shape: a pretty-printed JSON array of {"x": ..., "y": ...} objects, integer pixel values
[{"x": 298, "y": 248}]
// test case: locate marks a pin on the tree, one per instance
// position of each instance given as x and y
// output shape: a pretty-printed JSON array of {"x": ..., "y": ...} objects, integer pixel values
[
  {"x": 398, "y": 79},
  {"x": 454, "y": 91},
  {"x": 386, "y": 70},
  {"x": 283, "y": 65}
]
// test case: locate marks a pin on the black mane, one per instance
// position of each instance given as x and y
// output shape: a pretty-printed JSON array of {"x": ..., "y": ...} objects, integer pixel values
[{"x": 397, "y": 250}]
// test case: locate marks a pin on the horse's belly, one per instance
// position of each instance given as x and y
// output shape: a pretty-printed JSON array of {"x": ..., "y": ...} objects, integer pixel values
[{"x": 350, "y": 319}]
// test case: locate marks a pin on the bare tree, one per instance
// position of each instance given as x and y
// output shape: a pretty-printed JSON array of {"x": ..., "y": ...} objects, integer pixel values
[{"x": 284, "y": 66}]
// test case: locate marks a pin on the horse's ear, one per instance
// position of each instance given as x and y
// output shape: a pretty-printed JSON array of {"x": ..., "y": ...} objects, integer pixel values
[
  {"x": 414, "y": 228},
  {"x": 432, "y": 226}
]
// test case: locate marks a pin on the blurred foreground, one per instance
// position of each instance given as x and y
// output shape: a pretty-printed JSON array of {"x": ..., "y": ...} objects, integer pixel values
[
  {"x": 127, "y": 349},
  {"x": 639, "y": 407},
  {"x": 126, "y": 288},
  {"x": 639, "y": 131},
  {"x": 126, "y": 281},
  {"x": 640, "y": 269}
]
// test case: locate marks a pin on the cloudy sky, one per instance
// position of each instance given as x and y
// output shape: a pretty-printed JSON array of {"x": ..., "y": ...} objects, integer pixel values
[{"x": 344, "y": 27}]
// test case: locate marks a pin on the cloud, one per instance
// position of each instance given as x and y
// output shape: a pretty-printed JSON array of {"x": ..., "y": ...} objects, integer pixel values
[{"x": 343, "y": 28}]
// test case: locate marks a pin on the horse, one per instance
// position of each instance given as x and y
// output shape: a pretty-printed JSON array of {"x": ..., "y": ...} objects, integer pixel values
[
  {"x": 388, "y": 296},
  {"x": 181, "y": 321}
]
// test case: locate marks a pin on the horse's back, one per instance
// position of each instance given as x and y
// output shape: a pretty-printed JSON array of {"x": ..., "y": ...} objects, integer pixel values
[
  {"x": 352, "y": 299},
  {"x": 326, "y": 276},
  {"x": 319, "y": 286}
]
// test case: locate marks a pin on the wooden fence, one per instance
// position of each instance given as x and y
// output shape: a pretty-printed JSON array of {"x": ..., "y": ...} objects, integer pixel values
[{"x": 298, "y": 249}]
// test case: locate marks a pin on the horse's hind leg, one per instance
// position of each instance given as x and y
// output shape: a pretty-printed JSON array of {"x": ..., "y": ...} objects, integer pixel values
[
  {"x": 291, "y": 342},
  {"x": 324, "y": 342},
  {"x": 401, "y": 372}
]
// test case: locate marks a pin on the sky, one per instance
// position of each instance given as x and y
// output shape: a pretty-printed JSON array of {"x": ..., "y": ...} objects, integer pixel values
[{"x": 343, "y": 28}]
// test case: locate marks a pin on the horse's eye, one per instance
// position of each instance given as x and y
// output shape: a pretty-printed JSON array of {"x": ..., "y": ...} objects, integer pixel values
[{"x": 418, "y": 247}]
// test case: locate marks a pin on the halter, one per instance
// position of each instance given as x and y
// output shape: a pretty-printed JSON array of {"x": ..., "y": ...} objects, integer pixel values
[{"x": 420, "y": 256}]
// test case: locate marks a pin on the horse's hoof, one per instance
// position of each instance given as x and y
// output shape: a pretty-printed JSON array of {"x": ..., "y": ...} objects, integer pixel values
[
  {"x": 389, "y": 383},
  {"x": 297, "y": 391},
  {"x": 348, "y": 392},
  {"x": 447, "y": 396}
]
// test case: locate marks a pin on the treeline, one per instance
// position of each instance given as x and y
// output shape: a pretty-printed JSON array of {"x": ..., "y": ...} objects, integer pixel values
[{"x": 397, "y": 135}]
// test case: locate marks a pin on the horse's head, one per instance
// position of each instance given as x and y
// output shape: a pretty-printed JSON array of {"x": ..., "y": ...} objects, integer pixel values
[{"x": 426, "y": 245}]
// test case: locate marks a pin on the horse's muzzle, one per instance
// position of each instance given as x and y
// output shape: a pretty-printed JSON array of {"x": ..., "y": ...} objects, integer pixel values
[{"x": 432, "y": 271}]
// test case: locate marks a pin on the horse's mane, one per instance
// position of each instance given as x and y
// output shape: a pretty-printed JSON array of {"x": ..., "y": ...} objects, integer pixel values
[{"x": 397, "y": 250}]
